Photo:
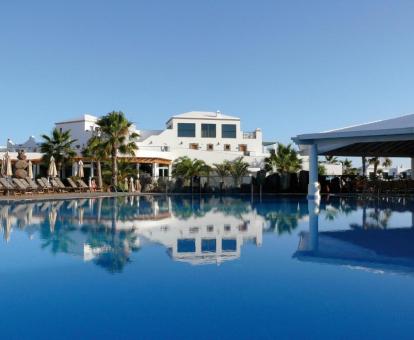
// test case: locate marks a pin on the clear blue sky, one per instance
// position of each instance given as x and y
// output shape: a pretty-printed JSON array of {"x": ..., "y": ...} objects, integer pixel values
[{"x": 285, "y": 66}]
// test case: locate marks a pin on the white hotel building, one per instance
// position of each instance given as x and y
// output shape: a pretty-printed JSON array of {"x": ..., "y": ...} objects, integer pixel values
[{"x": 210, "y": 136}]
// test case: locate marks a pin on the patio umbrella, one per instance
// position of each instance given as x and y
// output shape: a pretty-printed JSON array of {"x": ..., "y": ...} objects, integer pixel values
[
  {"x": 81, "y": 172},
  {"x": 137, "y": 185},
  {"x": 52, "y": 171},
  {"x": 3, "y": 166},
  {"x": 126, "y": 183},
  {"x": 131, "y": 185},
  {"x": 9, "y": 171},
  {"x": 30, "y": 170}
]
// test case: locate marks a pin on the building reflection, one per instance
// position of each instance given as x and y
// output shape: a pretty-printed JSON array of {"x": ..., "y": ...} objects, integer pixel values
[
  {"x": 107, "y": 231},
  {"x": 212, "y": 230},
  {"x": 370, "y": 245}
]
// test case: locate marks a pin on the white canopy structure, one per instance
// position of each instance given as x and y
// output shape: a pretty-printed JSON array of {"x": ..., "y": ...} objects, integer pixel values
[{"x": 385, "y": 138}]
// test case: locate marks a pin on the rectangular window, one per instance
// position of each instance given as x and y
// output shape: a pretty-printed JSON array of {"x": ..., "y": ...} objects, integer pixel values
[
  {"x": 227, "y": 147},
  {"x": 186, "y": 245},
  {"x": 228, "y": 131},
  {"x": 208, "y": 130},
  {"x": 210, "y": 147},
  {"x": 229, "y": 245},
  {"x": 186, "y": 130},
  {"x": 208, "y": 245},
  {"x": 193, "y": 146},
  {"x": 242, "y": 147}
]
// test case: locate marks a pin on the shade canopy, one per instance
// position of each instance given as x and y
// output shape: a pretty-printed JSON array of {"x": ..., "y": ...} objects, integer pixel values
[{"x": 387, "y": 138}]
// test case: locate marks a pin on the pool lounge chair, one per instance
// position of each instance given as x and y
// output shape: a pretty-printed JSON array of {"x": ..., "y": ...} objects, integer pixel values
[
  {"x": 44, "y": 185},
  {"x": 74, "y": 186},
  {"x": 57, "y": 186},
  {"x": 83, "y": 185},
  {"x": 3, "y": 190},
  {"x": 35, "y": 186},
  {"x": 23, "y": 186},
  {"x": 9, "y": 187},
  {"x": 63, "y": 186}
]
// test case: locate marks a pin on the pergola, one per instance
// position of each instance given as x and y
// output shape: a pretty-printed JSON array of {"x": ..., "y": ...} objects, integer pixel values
[{"x": 385, "y": 138}]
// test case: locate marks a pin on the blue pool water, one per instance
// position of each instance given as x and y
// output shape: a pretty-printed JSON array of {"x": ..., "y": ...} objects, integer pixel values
[{"x": 207, "y": 268}]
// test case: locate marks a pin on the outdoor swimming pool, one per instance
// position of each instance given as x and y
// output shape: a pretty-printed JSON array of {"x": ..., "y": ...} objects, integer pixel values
[{"x": 207, "y": 267}]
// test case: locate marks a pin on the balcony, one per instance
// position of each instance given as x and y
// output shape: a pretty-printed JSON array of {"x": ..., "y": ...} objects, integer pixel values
[{"x": 249, "y": 135}]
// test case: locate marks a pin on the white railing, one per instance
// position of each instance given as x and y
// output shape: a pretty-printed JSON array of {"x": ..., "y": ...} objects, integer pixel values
[
  {"x": 164, "y": 148},
  {"x": 249, "y": 135}
]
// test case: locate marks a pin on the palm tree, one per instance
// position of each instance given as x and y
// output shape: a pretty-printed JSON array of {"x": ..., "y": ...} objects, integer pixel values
[
  {"x": 321, "y": 169},
  {"x": 284, "y": 160},
  {"x": 238, "y": 169},
  {"x": 347, "y": 168},
  {"x": 116, "y": 137},
  {"x": 222, "y": 170},
  {"x": 376, "y": 162},
  {"x": 188, "y": 168},
  {"x": 125, "y": 170},
  {"x": 95, "y": 151},
  {"x": 331, "y": 160},
  {"x": 60, "y": 146}
]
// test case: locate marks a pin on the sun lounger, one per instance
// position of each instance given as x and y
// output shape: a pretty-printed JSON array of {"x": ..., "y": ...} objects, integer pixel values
[
  {"x": 23, "y": 185},
  {"x": 9, "y": 187},
  {"x": 34, "y": 185},
  {"x": 44, "y": 186},
  {"x": 3, "y": 189},
  {"x": 63, "y": 186},
  {"x": 73, "y": 185},
  {"x": 57, "y": 186},
  {"x": 47, "y": 184},
  {"x": 83, "y": 185}
]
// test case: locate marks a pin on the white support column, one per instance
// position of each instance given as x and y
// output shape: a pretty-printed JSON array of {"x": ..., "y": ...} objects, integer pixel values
[
  {"x": 412, "y": 167},
  {"x": 169, "y": 172},
  {"x": 92, "y": 169},
  {"x": 314, "y": 186},
  {"x": 155, "y": 170},
  {"x": 137, "y": 170}
]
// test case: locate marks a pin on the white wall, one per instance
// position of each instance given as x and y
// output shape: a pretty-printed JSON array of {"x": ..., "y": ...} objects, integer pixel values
[{"x": 180, "y": 146}]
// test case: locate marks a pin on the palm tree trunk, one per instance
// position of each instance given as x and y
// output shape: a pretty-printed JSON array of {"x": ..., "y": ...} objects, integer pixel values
[
  {"x": 99, "y": 170},
  {"x": 114, "y": 169},
  {"x": 59, "y": 169}
]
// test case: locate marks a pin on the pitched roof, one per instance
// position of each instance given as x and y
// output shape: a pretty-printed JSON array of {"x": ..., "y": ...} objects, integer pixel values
[
  {"x": 392, "y": 123},
  {"x": 393, "y": 126}
]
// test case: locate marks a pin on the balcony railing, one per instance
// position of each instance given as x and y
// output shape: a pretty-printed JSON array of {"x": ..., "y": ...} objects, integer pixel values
[
  {"x": 249, "y": 135},
  {"x": 164, "y": 148}
]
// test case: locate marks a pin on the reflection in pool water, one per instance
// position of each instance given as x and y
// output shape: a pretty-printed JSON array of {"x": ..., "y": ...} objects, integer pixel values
[{"x": 244, "y": 257}]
